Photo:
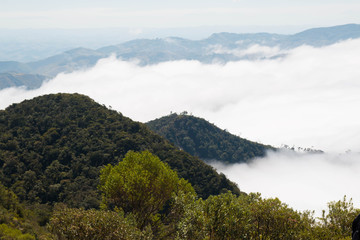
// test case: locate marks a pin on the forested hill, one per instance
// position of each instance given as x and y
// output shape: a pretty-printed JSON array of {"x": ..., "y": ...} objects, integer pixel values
[
  {"x": 52, "y": 148},
  {"x": 206, "y": 141}
]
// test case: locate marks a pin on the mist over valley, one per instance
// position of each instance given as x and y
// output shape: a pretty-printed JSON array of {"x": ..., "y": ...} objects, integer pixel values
[{"x": 231, "y": 100}]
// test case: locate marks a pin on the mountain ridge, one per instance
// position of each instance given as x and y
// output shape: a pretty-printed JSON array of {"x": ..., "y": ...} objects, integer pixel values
[
  {"x": 12, "y": 79},
  {"x": 218, "y": 47}
]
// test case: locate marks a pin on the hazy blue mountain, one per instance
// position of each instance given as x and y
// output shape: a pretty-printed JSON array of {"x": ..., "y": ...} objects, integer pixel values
[
  {"x": 150, "y": 51},
  {"x": 224, "y": 47},
  {"x": 219, "y": 47},
  {"x": 173, "y": 48},
  {"x": 68, "y": 61},
  {"x": 12, "y": 66},
  {"x": 236, "y": 40},
  {"x": 318, "y": 37},
  {"x": 30, "y": 81}
]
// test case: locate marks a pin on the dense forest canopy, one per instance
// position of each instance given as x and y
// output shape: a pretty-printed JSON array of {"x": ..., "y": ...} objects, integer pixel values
[
  {"x": 52, "y": 149},
  {"x": 206, "y": 141}
]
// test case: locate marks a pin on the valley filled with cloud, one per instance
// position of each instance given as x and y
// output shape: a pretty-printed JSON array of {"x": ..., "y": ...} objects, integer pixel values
[
  {"x": 305, "y": 181},
  {"x": 310, "y": 97}
]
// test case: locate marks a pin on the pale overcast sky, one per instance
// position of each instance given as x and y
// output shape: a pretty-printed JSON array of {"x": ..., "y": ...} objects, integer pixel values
[{"x": 15, "y": 14}]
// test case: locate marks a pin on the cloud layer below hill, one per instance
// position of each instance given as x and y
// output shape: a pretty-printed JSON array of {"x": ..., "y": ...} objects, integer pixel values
[
  {"x": 303, "y": 181},
  {"x": 310, "y": 98}
]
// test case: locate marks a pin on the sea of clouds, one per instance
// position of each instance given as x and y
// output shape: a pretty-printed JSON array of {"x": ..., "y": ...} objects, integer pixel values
[
  {"x": 304, "y": 181},
  {"x": 308, "y": 98}
]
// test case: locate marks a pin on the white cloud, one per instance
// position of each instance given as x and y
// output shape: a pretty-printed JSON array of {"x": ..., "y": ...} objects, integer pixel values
[
  {"x": 309, "y": 98},
  {"x": 303, "y": 181},
  {"x": 253, "y": 52}
]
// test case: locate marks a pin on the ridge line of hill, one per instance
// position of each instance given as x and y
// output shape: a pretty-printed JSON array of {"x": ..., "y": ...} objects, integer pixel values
[{"x": 205, "y": 140}]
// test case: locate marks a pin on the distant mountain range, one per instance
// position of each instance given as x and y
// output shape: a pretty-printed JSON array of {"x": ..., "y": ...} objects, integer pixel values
[
  {"x": 219, "y": 47},
  {"x": 12, "y": 79}
]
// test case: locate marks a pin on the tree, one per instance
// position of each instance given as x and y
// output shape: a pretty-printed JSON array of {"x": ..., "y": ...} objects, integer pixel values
[
  {"x": 80, "y": 224},
  {"x": 272, "y": 219},
  {"x": 141, "y": 184},
  {"x": 336, "y": 222},
  {"x": 227, "y": 217}
]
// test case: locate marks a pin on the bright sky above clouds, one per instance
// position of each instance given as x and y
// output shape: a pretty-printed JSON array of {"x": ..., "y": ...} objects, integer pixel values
[{"x": 174, "y": 14}]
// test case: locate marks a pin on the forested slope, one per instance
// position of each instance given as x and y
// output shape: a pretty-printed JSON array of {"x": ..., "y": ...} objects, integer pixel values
[
  {"x": 206, "y": 141},
  {"x": 52, "y": 149}
]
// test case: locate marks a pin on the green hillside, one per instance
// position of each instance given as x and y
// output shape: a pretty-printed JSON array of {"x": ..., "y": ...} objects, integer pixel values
[
  {"x": 53, "y": 147},
  {"x": 53, "y": 150},
  {"x": 206, "y": 141}
]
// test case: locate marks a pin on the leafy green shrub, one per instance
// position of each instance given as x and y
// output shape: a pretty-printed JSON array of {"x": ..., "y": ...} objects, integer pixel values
[
  {"x": 142, "y": 185},
  {"x": 79, "y": 224},
  {"x": 10, "y": 233}
]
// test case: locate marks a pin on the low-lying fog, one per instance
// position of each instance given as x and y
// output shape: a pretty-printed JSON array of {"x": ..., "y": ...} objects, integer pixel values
[
  {"x": 310, "y": 98},
  {"x": 305, "y": 181}
]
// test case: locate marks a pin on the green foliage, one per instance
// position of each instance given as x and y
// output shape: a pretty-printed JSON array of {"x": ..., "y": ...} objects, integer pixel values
[
  {"x": 79, "y": 224},
  {"x": 336, "y": 222},
  {"x": 9, "y": 201},
  {"x": 206, "y": 141},
  {"x": 252, "y": 217},
  {"x": 53, "y": 147},
  {"x": 16, "y": 221},
  {"x": 227, "y": 217},
  {"x": 272, "y": 219},
  {"x": 141, "y": 184},
  {"x": 192, "y": 224},
  {"x": 9, "y": 233},
  {"x": 340, "y": 217}
]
